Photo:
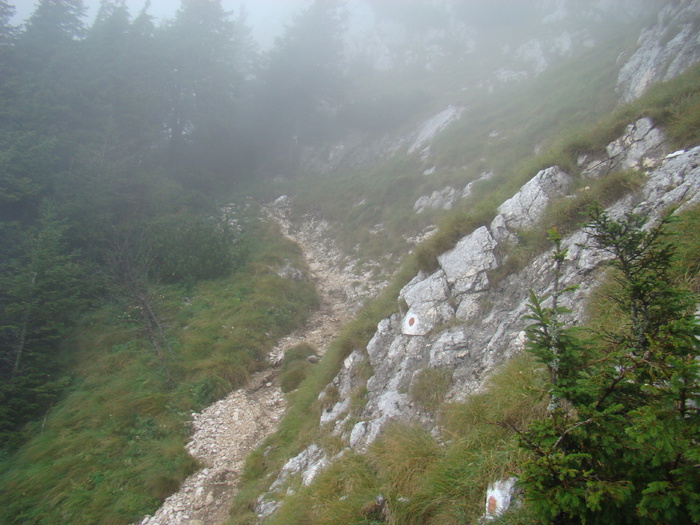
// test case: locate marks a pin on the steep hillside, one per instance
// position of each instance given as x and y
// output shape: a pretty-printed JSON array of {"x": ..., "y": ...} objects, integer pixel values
[
  {"x": 457, "y": 325},
  {"x": 415, "y": 417},
  {"x": 302, "y": 297},
  {"x": 470, "y": 145}
]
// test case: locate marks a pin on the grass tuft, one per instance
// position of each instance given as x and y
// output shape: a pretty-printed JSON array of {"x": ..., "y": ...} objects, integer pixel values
[{"x": 430, "y": 386}]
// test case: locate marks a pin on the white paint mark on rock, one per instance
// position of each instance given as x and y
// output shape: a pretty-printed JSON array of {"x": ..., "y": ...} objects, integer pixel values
[{"x": 499, "y": 497}]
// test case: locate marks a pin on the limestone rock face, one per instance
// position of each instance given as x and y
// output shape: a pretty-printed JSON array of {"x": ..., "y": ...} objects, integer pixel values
[
  {"x": 343, "y": 382},
  {"x": 640, "y": 147},
  {"x": 665, "y": 50},
  {"x": 428, "y": 304},
  {"x": 307, "y": 463},
  {"x": 447, "y": 197},
  {"x": 677, "y": 180},
  {"x": 388, "y": 389},
  {"x": 532, "y": 52},
  {"x": 465, "y": 266},
  {"x": 440, "y": 200},
  {"x": 432, "y": 127},
  {"x": 524, "y": 209}
]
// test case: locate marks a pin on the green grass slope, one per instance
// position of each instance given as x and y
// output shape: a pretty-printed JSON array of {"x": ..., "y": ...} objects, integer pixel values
[{"x": 113, "y": 448}]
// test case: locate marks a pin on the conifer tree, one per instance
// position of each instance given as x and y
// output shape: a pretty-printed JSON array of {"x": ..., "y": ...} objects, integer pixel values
[
  {"x": 301, "y": 82},
  {"x": 41, "y": 291},
  {"x": 7, "y": 31},
  {"x": 620, "y": 444},
  {"x": 202, "y": 84},
  {"x": 53, "y": 26}
]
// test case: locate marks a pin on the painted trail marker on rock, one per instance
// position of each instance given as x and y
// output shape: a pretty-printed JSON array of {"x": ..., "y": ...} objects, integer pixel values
[{"x": 499, "y": 497}]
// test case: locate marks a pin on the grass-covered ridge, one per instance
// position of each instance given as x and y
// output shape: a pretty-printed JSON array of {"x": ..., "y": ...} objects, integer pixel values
[{"x": 113, "y": 448}]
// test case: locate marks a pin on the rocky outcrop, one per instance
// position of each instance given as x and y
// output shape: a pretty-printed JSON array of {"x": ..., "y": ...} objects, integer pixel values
[
  {"x": 447, "y": 197},
  {"x": 467, "y": 264},
  {"x": 431, "y": 128},
  {"x": 442, "y": 199},
  {"x": 359, "y": 150},
  {"x": 457, "y": 318},
  {"x": 426, "y": 298},
  {"x": 665, "y": 50},
  {"x": 527, "y": 206},
  {"x": 641, "y": 147}
]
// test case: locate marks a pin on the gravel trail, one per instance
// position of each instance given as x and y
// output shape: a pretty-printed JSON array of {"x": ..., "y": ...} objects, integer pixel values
[{"x": 224, "y": 433}]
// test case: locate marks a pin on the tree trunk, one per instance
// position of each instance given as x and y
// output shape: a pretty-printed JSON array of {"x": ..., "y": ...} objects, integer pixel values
[{"x": 22, "y": 338}]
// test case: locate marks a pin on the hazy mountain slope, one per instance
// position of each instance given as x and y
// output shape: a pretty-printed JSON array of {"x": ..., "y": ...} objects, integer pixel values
[
  {"x": 462, "y": 318},
  {"x": 456, "y": 131},
  {"x": 435, "y": 134}
]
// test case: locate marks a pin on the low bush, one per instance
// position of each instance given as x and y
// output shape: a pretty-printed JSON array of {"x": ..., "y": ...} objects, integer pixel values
[
  {"x": 296, "y": 366},
  {"x": 298, "y": 352},
  {"x": 186, "y": 249}
]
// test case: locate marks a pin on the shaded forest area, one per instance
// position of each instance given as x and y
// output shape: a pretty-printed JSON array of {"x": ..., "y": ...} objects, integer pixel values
[{"x": 117, "y": 139}]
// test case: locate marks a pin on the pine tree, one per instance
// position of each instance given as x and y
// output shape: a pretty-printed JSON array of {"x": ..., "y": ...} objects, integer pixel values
[
  {"x": 202, "y": 85},
  {"x": 41, "y": 291},
  {"x": 301, "y": 82},
  {"x": 7, "y": 31},
  {"x": 52, "y": 28},
  {"x": 620, "y": 444}
]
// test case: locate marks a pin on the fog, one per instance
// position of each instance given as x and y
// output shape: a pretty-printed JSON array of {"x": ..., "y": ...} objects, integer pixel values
[
  {"x": 215, "y": 93},
  {"x": 267, "y": 18},
  {"x": 122, "y": 140}
]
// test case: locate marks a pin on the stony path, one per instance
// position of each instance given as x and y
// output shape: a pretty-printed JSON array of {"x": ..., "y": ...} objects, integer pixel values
[
  {"x": 341, "y": 291},
  {"x": 223, "y": 435},
  {"x": 226, "y": 432}
]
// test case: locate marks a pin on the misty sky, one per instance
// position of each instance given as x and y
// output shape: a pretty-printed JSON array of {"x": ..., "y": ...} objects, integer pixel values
[{"x": 267, "y": 17}]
